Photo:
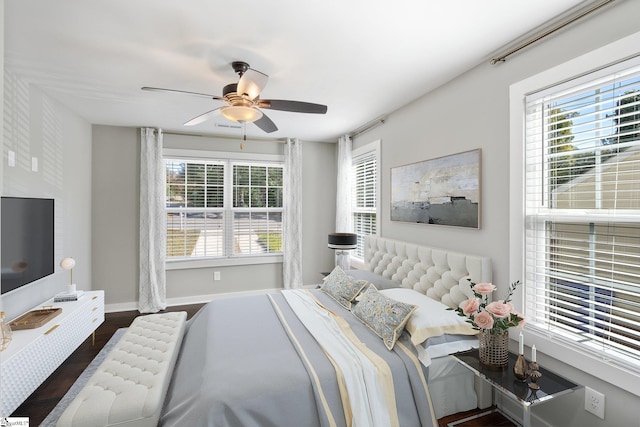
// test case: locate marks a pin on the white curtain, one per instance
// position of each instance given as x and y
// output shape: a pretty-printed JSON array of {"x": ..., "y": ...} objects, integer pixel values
[
  {"x": 152, "y": 223},
  {"x": 292, "y": 221},
  {"x": 344, "y": 220}
]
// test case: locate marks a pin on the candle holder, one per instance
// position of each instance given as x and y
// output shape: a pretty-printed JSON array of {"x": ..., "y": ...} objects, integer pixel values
[
  {"x": 535, "y": 375},
  {"x": 520, "y": 369}
]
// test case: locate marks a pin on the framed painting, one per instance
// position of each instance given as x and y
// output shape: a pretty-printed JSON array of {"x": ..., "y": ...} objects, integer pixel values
[{"x": 442, "y": 191}]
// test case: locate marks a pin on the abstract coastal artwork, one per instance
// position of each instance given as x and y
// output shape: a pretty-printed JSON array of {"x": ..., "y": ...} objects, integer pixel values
[{"x": 442, "y": 191}]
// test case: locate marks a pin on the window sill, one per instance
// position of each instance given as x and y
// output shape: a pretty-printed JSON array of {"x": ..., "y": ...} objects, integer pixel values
[{"x": 222, "y": 262}]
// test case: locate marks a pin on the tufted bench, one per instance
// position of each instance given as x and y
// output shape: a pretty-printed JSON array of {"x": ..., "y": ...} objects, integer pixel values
[{"x": 129, "y": 387}]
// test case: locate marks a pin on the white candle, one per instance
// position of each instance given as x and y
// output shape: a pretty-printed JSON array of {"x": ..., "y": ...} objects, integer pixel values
[
  {"x": 533, "y": 353},
  {"x": 521, "y": 344}
]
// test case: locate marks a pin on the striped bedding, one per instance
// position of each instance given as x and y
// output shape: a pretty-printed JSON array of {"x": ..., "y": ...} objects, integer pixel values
[{"x": 252, "y": 361}]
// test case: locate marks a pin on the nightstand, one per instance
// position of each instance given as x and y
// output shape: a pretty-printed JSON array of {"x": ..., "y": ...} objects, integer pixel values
[{"x": 503, "y": 381}]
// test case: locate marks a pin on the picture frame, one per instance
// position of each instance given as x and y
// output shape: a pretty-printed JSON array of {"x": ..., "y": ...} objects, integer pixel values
[{"x": 439, "y": 191}]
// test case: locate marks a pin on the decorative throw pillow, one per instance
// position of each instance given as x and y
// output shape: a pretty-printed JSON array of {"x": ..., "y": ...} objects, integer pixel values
[
  {"x": 383, "y": 315},
  {"x": 341, "y": 287},
  {"x": 431, "y": 318}
]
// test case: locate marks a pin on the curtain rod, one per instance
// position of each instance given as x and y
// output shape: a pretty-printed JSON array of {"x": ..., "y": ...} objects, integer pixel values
[
  {"x": 368, "y": 126},
  {"x": 233, "y": 137},
  {"x": 550, "y": 31}
]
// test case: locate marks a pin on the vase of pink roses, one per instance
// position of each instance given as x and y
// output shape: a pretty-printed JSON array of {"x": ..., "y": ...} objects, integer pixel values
[{"x": 493, "y": 320}]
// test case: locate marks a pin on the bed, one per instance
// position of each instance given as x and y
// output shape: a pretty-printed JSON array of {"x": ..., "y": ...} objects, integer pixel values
[{"x": 314, "y": 357}]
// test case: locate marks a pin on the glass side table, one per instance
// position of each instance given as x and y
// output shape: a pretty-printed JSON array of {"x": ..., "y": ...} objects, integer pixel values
[{"x": 551, "y": 385}]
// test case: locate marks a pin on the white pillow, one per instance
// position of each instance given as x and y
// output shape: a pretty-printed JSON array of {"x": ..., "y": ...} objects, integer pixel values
[
  {"x": 444, "y": 345},
  {"x": 431, "y": 319}
]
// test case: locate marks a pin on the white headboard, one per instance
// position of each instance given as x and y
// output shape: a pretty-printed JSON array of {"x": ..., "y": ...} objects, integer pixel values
[{"x": 438, "y": 273}]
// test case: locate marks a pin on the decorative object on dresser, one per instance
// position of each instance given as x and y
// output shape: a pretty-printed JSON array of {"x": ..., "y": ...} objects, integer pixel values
[
  {"x": 441, "y": 191},
  {"x": 35, "y": 353},
  {"x": 35, "y": 318},
  {"x": 343, "y": 243},
  {"x": 68, "y": 296},
  {"x": 72, "y": 294},
  {"x": 493, "y": 320},
  {"x": 68, "y": 264},
  {"x": 5, "y": 331}
]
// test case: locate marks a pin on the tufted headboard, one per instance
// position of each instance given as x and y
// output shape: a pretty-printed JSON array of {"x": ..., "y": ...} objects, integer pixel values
[{"x": 438, "y": 273}]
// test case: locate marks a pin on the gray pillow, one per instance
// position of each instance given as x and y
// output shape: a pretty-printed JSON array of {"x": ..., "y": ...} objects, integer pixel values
[{"x": 371, "y": 277}]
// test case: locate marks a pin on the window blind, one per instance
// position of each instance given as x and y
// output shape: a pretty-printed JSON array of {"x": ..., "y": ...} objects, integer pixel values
[
  {"x": 582, "y": 213},
  {"x": 365, "y": 196},
  {"x": 223, "y": 208}
]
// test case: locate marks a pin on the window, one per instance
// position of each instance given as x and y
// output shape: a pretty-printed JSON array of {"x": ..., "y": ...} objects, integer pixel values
[
  {"x": 223, "y": 208},
  {"x": 582, "y": 213},
  {"x": 365, "y": 194}
]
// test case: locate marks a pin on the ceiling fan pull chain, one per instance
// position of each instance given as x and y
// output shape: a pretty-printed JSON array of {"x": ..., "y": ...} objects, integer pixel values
[{"x": 244, "y": 135}]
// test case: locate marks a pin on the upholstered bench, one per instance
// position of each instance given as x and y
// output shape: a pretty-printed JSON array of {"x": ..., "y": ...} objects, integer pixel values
[{"x": 129, "y": 386}]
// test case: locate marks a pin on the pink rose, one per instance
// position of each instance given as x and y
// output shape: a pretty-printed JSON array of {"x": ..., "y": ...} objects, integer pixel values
[
  {"x": 470, "y": 306},
  {"x": 484, "y": 320},
  {"x": 499, "y": 309},
  {"x": 484, "y": 288}
]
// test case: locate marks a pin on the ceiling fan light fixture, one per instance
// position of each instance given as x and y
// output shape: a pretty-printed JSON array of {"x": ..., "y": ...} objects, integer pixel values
[{"x": 241, "y": 113}]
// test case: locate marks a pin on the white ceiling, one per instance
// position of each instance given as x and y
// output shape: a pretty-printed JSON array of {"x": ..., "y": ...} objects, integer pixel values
[{"x": 361, "y": 58}]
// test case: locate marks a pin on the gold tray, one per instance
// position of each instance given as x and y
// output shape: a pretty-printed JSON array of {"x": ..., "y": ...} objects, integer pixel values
[{"x": 35, "y": 318}]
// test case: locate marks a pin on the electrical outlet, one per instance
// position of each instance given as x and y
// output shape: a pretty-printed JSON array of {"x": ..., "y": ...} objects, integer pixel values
[
  {"x": 594, "y": 402},
  {"x": 216, "y": 275}
]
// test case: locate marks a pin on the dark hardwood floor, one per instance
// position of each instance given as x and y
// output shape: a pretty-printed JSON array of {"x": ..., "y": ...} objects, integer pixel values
[
  {"x": 46, "y": 397},
  {"x": 476, "y": 418}
]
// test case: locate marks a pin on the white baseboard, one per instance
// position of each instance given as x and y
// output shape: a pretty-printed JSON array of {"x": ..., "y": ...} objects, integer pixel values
[{"x": 195, "y": 299}]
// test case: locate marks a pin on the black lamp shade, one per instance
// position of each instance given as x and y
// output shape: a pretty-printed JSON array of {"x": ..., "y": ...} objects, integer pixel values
[{"x": 343, "y": 241}]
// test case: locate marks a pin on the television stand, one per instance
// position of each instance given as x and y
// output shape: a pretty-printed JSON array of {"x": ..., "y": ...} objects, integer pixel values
[{"x": 33, "y": 354}]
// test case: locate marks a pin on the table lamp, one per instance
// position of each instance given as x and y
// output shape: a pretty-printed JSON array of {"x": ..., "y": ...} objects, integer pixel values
[
  {"x": 68, "y": 264},
  {"x": 343, "y": 243}
]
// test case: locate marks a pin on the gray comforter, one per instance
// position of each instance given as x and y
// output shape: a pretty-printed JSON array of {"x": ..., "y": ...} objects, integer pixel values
[{"x": 249, "y": 361}]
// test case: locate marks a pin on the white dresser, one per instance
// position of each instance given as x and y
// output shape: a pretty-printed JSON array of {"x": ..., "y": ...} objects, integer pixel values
[{"x": 34, "y": 354}]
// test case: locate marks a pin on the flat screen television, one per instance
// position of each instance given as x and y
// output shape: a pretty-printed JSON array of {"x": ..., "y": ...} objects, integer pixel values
[{"x": 27, "y": 240}]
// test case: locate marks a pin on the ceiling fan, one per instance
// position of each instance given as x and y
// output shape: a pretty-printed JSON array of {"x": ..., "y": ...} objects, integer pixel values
[{"x": 244, "y": 103}]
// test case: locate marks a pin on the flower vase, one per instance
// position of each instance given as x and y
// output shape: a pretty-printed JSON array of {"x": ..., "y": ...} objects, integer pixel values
[{"x": 494, "y": 349}]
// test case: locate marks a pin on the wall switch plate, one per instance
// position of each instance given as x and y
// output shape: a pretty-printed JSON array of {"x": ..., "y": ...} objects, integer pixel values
[
  {"x": 11, "y": 158},
  {"x": 34, "y": 164},
  {"x": 216, "y": 275},
  {"x": 594, "y": 402}
]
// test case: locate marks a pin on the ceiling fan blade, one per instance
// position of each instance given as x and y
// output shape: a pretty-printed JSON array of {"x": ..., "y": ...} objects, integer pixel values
[
  {"x": 266, "y": 124},
  {"x": 293, "y": 106},
  {"x": 159, "y": 89},
  {"x": 203, "y": 117},
  {"x": 251, "y": 83}
]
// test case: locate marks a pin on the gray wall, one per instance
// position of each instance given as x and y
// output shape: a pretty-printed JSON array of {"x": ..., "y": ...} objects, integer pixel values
[
  {"x": 115, "y": 220},
  {"x": 472, "y": 111},
  {"x": 35, "y": 125}
]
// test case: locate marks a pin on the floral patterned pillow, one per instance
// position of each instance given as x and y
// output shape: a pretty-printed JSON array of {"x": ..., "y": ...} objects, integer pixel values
[
  {"x": 342, "y": 287},
  {"x": 383, "y": 315}
]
